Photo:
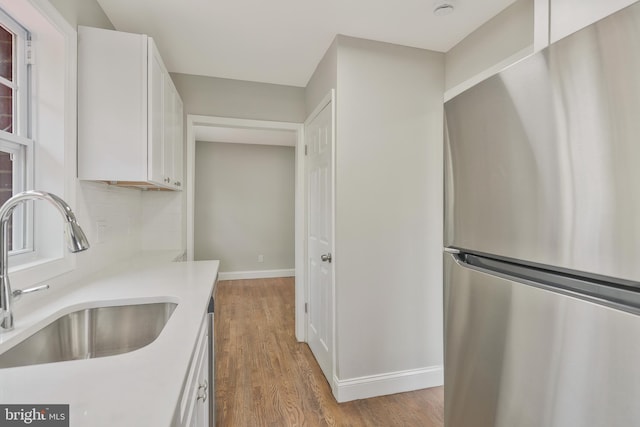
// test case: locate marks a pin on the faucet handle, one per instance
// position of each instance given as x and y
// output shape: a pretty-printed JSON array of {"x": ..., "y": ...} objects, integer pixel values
[{"x": 19, "y": 292}]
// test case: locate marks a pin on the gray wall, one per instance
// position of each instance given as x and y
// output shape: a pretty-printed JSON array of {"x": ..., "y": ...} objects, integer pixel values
[
  {"x": 568, "y": 16},
  {"x": 244, "y": 205},
  {"x": 212, "y": 96},
  {"x": 506, "y": 34},
  {"x": 388, "y": 208},
  {"x": 324, "y": 78},
  {"x": 83, "y": 12}
]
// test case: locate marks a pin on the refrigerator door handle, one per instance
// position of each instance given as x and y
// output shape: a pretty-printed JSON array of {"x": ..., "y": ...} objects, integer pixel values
[
  {"x": 597, "y": 291},
  {"x": 513, "y": 352}
]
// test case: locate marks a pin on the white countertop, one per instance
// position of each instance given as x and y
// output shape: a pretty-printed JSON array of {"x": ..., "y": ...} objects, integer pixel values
[{"x": 140, "y": 388}]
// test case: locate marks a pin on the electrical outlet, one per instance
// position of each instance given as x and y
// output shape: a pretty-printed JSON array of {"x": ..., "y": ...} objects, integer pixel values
[{"x": 260, "y": 258}]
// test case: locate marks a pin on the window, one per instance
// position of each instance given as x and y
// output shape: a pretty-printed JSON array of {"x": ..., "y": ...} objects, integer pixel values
[
  {"x": 16, "y": 147},
  {"x": 43, "y": 132}
]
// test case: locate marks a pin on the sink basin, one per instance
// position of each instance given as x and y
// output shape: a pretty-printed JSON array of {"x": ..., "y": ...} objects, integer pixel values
[{"x": 91, "y": 333}]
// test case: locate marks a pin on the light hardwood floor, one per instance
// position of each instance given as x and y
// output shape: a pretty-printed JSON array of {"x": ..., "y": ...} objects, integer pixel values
[{"x": 264, "y": 377}]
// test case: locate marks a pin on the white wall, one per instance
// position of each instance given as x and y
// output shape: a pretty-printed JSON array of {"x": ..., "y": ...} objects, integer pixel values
[
  {"x": 212, "y": 96},
  {"x": 508, "y": 35},
  {"x": 389, "y": 208},
  {"x": 162, "y": 221},
  {"x": 388, "y": 249},
  {"x": 112, "y": 219},
  {"x": 244, "y": 205},
  {"x": 83, "y": 12},
  {"x": 323, "y": 79},
  {"x": 568, "y": 16}
]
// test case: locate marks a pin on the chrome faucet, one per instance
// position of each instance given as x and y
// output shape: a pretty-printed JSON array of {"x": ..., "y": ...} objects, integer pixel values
[{"x": 76, "y": 242}]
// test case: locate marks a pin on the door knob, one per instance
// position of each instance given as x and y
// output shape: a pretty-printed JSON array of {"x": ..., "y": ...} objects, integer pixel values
[{"x": 325, "y": 258}]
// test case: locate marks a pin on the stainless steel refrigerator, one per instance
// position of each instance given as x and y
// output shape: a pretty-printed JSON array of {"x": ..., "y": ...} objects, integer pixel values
[{"x": 542, "y": 237}]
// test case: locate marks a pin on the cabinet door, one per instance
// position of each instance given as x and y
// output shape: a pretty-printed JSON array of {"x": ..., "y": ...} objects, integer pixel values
[
  {"x": 198, "y": 391},
  {"x": 173, "y": 139},
  {"x": 155, "y": 143},
  {"x": 168, "y": 131},
  {"x": 113, "y": 96},
  {"x": 178, "y": 145},
  {"x": 201, "y": 409}
]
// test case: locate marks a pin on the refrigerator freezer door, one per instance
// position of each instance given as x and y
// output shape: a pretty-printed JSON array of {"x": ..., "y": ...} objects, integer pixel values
[
  {"x": 543, "y": 159},
  {"x": 518, "y": 355}
]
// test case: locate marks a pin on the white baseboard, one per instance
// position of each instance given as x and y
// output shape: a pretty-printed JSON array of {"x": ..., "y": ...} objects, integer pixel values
[
  {"x": 258, "y": 274},
  {"x": 390, "y": 383}
]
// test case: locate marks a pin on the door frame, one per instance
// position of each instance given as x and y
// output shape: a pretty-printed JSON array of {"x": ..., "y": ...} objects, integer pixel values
[
  {"x": 329, "y": 98},
  {"x": 194, "y": 121}
]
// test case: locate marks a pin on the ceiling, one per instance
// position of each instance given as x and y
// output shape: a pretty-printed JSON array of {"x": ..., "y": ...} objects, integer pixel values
[{"x": 282, "y": 41}]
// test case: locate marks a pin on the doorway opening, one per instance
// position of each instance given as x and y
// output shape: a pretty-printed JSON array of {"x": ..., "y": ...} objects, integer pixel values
[{"x": 229, "y": 130}]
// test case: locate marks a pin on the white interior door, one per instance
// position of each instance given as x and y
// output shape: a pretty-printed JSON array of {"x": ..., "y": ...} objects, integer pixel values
[{"x": 319, "y": 141}]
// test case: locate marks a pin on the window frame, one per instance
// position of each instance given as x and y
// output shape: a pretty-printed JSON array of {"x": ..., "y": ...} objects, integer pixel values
[
  {"x": 21, "y": 150},
  {"x": 21, "y": 81},
  {"x": 53, "y": 88},
  {"x": 18, "y": 142}
]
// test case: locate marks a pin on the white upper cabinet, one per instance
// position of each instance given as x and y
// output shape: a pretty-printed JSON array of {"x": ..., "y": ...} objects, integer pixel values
[
  {"x": 129, "y": 112},
  {"x": 569, "y": 16}
]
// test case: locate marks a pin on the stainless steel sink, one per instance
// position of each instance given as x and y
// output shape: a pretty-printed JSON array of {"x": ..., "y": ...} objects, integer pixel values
[{"x": 90, "y": 333}]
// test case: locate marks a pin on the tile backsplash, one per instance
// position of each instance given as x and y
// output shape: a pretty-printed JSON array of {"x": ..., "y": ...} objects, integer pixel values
[{"x": 121, "y": 222}]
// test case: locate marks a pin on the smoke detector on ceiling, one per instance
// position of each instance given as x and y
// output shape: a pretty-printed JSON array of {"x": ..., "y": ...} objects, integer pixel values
[{"x": 443, "y": 7}]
